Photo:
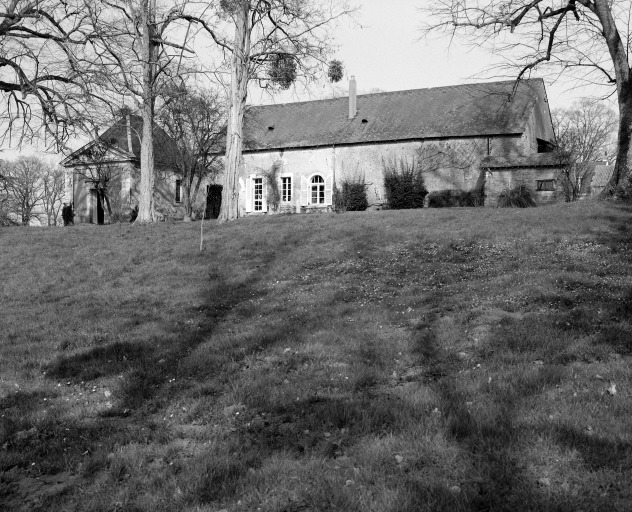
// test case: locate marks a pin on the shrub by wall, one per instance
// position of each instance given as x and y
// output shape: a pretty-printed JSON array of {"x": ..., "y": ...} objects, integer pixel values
[
  {"x": 520, "y": 196},
  {"x": 451, "y": 198},
  {"x": 68, "y": 215},
  {"x": 351, "y": 196},
  {"x": 404, "y": 183}
]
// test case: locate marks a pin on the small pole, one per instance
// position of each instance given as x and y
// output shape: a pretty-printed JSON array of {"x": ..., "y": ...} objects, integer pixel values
[{"x": 201, "y": 234}]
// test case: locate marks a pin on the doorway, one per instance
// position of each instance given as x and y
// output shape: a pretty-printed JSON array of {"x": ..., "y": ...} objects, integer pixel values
[
  {"x": 213, "y": 201},
  {"x": 97, "y": 215}
]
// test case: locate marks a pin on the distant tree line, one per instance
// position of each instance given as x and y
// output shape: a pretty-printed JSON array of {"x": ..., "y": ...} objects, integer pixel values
[{"x": 30, "y": 189}]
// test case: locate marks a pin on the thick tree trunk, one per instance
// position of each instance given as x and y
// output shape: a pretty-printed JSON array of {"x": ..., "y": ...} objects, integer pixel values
[
  {"x": 238, "y": 95},
  {"x": 187, "y": 203},
  {"x": 146, "y": 189},
  {"x": 624, "y": 141},
  {"x": 619, "y": 55}
]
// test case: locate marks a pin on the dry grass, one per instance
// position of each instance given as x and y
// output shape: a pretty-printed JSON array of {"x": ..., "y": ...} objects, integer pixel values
[{"x": 457, "y": 359}]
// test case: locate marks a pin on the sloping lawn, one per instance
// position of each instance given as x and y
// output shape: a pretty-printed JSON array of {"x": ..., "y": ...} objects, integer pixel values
[{"x": 439, "y": 360}]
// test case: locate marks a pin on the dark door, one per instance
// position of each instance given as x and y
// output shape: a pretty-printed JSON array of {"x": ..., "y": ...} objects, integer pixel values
[
  {"x": 100, "y": 212},
  {"x": 96, "y": 211},
  {"x": 213, "y": 201}
]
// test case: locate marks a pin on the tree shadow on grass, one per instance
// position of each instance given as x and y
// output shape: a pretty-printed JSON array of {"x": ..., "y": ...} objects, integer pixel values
[
  {"x": 596, "y": 452},
  {"x": 148, "y": 364},
  {"x": 61, "y": 442}
]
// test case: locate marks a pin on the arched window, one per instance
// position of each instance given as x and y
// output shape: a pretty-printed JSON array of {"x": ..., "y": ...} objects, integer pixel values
[{"x": 318, "y": 190}]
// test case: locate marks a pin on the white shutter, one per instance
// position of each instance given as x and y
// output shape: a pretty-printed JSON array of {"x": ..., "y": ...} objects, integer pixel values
[
  {"x": 249, "y": 187},
  {"x": 329, "y": 186},
  {"x": 280, "y": 187},
  {"x": 304, "y": 190},
  {"x": 264, "y": 194},
  {"x": 242, "y": 195}
]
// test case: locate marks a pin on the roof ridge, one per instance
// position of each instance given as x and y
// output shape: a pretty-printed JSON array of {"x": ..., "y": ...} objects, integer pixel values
[{"x": 384, "y": 93}]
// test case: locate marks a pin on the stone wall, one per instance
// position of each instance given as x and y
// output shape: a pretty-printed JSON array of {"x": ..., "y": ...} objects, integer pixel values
[
  {"x": 123, "y": 192},
  {"x": 498, "y": 180},
  {"x": 449, "y": 163}
]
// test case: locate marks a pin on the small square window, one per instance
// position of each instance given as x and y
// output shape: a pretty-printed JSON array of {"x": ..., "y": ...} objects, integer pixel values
[{"x": 545, "y": 185}]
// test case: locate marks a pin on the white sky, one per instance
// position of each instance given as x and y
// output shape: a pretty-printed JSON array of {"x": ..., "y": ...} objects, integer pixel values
[{"x": 383, "y": 51}]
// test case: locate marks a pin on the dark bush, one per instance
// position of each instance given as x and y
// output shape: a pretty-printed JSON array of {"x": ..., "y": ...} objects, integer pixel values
[
  {"x": 68, "y": 215},
  {"x": 351, "y": 196},
  {"x": 404, "y": 183},
  {"x": 133, "y": 214},
  {"x": 520, "y": 196},
  {"x": 451, "y": 198}
]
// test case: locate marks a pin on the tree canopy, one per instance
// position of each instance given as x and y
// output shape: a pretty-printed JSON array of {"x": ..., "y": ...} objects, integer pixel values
[{"x": 41, "y": 89}]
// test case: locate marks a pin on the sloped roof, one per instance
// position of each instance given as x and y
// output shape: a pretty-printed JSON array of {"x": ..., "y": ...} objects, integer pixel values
[
  {"x": 485, "y": 109},
  {"x": 165, "y": 148},
  {"x": 514, "y": 161}
]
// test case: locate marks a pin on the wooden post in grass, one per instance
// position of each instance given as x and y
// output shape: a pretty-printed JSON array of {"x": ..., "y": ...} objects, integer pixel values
[{"x": 201, "y": 234}]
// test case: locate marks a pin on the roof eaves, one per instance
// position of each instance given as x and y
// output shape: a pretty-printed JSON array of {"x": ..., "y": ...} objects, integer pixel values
[{"x": 376, "y": 140}]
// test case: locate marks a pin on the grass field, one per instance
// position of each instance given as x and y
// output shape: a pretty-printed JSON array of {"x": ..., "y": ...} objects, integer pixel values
[{"x": 439, "y": 360}]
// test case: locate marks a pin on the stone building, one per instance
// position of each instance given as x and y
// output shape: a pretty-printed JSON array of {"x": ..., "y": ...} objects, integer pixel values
[
  {"x": 485, "y": 136},
  {"x": 115, "y": 156}
]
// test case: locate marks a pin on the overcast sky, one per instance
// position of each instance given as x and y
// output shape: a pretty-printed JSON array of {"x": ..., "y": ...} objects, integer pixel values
[{"x": 384, "y": 51}]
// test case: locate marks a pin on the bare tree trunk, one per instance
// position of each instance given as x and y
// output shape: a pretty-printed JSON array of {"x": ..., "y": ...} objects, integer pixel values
[
  {"x": 186, "y": 189},
  {"x": 106, "y": 198},
  {"x": 238, "y": 95},
  {"x": 624, "y": 142},
  {"x": 146, "y": 190},
  {"x": 619, "y": 55}
]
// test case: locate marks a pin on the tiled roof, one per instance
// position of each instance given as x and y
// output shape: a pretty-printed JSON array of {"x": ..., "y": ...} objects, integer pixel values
[
  {"x": 165, "y": 149},
  {"x": 533, "y": 160},
  {"x": 456, "y": 111}
]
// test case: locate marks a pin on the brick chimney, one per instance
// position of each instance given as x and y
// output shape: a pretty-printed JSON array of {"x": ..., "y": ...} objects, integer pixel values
[{"x": 353, "y": 101}]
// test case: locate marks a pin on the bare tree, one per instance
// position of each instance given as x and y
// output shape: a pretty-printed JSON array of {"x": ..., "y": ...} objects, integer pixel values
[
  {"x": 584, "y": 134},
  {"x": 40, "y": 86},
  {"x": 23, "y": 180},
  {"x": 195, "y": 120},
  {"x": 5, "y": 212},
  {"x": 52, "y": 199},
  {"x": 135, "y": 54},
  {"x": 591, "y": 37},
  {"x": 275, "y": 42},
  {"x": 587, "y": 129},
  {"x": 99, "y": 172}
]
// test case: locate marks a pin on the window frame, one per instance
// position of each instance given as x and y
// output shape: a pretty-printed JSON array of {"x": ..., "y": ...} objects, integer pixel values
[
  {"x": 257, "y": 181},
  {"x": 317, "y": 187},
  {"x": 540, "y": 185},
  {"x": 286, "y": 192}
]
